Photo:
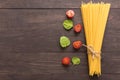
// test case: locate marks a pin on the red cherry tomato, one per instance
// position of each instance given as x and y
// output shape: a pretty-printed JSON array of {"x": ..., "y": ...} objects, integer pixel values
[
  {"x": 70, "y": 13},
  {"x": 77, "y": 28},
  {"x": 66, "y": 61},
  {"x": 77, "y": 44}
]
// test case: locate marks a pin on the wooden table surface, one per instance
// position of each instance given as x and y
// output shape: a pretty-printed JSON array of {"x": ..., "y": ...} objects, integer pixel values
[{"x": 29, "y": 41}]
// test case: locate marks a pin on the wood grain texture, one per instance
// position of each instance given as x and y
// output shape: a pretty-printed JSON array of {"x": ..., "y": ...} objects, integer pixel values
[
  {"x": 45, "y": 66},
  {"x": 50, "y": 3},
  {"x": 39, "y": 31},
  {"x": 29, "y": 41},
  {"x": 49, "y": 63},
  {"x": 71, "y": 76},
  {"x": 29, "y": 46}
]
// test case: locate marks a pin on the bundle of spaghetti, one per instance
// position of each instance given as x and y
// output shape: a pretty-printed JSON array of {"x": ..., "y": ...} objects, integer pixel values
[{"x": 94, "y": 18}]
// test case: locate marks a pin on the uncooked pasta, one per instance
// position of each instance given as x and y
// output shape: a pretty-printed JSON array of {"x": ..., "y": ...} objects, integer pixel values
[{"x": 94, "y": 18}]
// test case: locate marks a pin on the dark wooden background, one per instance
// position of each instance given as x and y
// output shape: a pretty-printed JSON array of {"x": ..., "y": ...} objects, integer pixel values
[{"x": 29, "y": 41}]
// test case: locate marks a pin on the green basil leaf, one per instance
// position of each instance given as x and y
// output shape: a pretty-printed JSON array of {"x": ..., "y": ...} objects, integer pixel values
[
  {"x": 76, "y": 61},
  {"x": 68, "y": 24},
  {"x": 64, "y": 41}
]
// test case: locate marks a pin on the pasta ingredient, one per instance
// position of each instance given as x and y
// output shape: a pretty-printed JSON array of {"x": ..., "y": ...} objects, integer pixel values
[
  {"x": 77, "y": 44},
  {"x": 76, "y": 61},
  {"x": 94, "y": 18},
  {"x": 68, "y": 24},
  {"x": 66, "y": 61},
  {"x": 70, "y": 13},
  {"x": 77, "y": 28},
  {"x": 64, "y": 41}
]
